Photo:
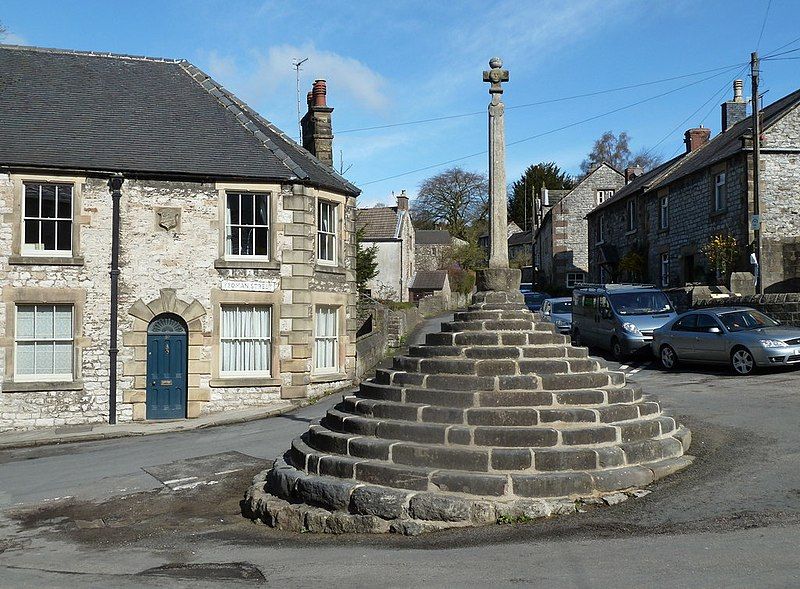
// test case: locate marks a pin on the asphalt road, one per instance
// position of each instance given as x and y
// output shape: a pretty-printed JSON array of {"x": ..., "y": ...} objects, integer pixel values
[{"x": 162, "y": 511}]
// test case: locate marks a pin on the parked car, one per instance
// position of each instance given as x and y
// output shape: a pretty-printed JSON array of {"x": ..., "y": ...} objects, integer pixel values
[
  {"x": 534, "y": 300},
  {"x": 559, "y": 312},
  {"x": 741, "y": 337},
  {"x": 618, "y": 317}
]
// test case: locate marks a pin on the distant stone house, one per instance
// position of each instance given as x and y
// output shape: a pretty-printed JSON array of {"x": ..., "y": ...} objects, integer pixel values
[
  {"x": 390, "y": 230},
  {"x": 665, "y": 216},
  {"x": 430, "y": 283},
  {"x": 235, "y": 247},
  {"x": 434, "y": 248},
  {"x": 562, "y": 245}
]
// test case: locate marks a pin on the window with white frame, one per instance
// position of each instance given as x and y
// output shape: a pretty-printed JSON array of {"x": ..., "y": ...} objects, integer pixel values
[
  {"x": 326, "y": 339},
  {"x": 47, "y": 219},
  {"x": 245, "y": 340},
  {"x": 665, "y": 269},
  {"x": 663, "y": 212},
  {"x": 632, "y": 215},
  {"x": 604, "y": 195},
  {"x": 720, "y": 191},
  {"x": 247, "y": 224},
  {"x": 575, "y": 278},
  {"x": 43, "y": 342},
  {"x": 601, "y": 223},
  {"x": 326, "y": 232}
]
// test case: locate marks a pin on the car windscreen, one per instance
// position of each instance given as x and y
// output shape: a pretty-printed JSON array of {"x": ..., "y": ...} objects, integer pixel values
[
  {"x": 562, "y": 308},
  {"x": 640, "y": 303},
  {"x": 744, "y": 320},
  {"x": 534, "y": 297}
]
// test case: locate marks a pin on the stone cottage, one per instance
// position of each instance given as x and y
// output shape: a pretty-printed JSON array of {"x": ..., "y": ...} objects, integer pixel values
[
  {"x": 138, "y": 192},
  {"x": 654, "y": 227},
  {"x": 390, "y": 231},
  {"x": 433, "y": 249},
  {"x": 426, "y": 284},
  {"x": 562, "y": 246}
]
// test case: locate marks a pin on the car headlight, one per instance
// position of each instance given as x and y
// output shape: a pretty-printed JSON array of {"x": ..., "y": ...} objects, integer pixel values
[
  {"x": 773, "y": 343},
  {"x": 631, "y": 328},
  {"x": 561, "y": 323}
]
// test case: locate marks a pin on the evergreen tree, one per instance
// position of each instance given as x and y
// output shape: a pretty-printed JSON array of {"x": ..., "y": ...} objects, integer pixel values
[
  {"x": 366, "y": 262},
  {"x": 544, "y": 174}
]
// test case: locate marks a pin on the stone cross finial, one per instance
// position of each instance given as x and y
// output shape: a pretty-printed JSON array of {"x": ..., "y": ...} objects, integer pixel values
[{"x": 496, "y": 75}]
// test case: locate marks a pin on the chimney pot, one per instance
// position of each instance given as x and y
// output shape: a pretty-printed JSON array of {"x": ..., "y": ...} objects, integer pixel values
[
  {"x": 737, "y": 90},
  {"x": 310, "y": 99},
  {"x": 319, "y": 90},
  {"x": 696, "y": 138}
]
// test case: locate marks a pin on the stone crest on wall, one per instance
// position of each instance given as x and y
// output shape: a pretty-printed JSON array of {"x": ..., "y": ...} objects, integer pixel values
[{"x": 168, "y": 218}]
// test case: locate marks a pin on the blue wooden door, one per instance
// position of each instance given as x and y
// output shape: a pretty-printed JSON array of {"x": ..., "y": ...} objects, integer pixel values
[{"x": 167, "y": 360}]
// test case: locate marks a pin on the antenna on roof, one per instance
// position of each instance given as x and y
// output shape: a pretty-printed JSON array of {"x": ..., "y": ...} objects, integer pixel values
[{"x": 296, "y": 63}]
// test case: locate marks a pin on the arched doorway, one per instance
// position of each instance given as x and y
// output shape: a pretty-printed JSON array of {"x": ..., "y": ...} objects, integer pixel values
[{"x": 167, "y": 361}]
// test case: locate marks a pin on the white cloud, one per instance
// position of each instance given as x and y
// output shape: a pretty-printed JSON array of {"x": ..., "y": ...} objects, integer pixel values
[
  {"x": 13, "y": 39},
  {"x": 270, "y": 70}
]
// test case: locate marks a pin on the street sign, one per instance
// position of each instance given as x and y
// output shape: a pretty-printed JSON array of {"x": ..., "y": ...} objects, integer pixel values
[{"x": 755, "y": 222}]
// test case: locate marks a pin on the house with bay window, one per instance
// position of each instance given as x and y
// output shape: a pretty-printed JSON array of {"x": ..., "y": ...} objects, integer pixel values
[{"x": 138, "y": 192}]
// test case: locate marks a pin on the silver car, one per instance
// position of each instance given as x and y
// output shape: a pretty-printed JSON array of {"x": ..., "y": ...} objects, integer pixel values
[
  {"x": 559, "y": 312},
  {"x": 741, "y": 337}
]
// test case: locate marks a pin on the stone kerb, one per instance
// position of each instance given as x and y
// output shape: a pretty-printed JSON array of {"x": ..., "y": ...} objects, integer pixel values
[{"x": 199, "y": 366}]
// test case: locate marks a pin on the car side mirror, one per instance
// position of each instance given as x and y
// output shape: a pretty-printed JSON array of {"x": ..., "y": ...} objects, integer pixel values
[{"x": 714, "y": 330}]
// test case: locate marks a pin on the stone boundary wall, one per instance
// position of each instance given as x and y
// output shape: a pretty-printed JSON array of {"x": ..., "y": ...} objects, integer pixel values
[{"x": 785, "y": 307}]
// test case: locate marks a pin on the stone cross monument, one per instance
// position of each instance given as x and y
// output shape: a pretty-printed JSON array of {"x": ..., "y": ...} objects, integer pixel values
[
  {"x": 498, "y": 276},
  {"x": 498, "y": 216}
]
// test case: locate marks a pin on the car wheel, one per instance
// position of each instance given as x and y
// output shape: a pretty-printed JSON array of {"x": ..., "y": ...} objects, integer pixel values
[
  {"x": 668, "y": 357},
  {"x": 742, "y": 361},
  {"x": 616, "y": 350},
  {"x": 576, "y": 337}
]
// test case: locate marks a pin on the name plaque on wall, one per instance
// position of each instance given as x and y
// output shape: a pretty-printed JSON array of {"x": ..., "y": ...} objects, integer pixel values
[{"x": 250, "y": 285}]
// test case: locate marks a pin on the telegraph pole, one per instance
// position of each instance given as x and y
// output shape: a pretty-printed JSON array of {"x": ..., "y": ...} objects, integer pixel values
[
  {"x": 296, "y": 63},
  {"x": 756, "y": 222}
]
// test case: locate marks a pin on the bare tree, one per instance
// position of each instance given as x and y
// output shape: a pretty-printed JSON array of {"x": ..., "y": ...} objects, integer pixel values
[
  {"x": 455, "y": 199},
  {"x": 615, "y": 150},
  {"x": 3, "y": 30}
]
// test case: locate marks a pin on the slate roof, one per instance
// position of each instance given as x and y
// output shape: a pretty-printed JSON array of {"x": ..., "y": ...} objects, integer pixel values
[
  {"x": 432, "y": 237},
  {"x": 520, "y": 238},
  {"x": 429, "y": 280},
  {"x": 382, "y": 223},
  {"x": 73, "y": 110},
  {"x": 721, "y": 147}
]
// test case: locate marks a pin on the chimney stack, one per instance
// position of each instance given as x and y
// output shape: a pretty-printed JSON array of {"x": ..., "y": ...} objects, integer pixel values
[
  {"x": 696, "y": 138},
  {"x": 734, "y": 110},
  {"x": 402, "y": 201},
  {"x": 632, "y": 172},
  {"x": 316, "y": 124}
]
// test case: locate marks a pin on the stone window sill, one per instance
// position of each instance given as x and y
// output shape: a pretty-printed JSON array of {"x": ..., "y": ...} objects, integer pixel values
[
  {"x": 631, "y": 231},
  {"x": 9, "y": 386},
  {"x": 45, "y": 260},
  {"x": 338, "y": 270},
  {"x": 222, "y": 264},
  {"x": 717, "y": 214},
  {"x": 663, "y": 231},
  {"x": 233, "y": 382},
  {"x": 320, "y": 378}
]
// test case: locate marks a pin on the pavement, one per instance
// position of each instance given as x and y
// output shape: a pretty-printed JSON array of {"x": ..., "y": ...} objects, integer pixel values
[{"x": 163, "y": 510}]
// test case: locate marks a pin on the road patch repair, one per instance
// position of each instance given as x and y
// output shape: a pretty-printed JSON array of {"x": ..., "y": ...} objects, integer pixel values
[
  {"x": 201, "y": 471},
  {"x": 496, "y": 419}
]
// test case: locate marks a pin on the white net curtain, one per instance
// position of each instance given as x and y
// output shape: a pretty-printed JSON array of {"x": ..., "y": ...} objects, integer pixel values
[{"x": 246, "y": 339}]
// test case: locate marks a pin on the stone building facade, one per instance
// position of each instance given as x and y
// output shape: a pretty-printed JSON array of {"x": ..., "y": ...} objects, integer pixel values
[
  {"x": 390, "y": 231},
  {"x": 562, "y": 246},
  {"x": 433, "y": 249},
  {"x": 654, "y": 228},
  {"x": 236, "y": 258}
]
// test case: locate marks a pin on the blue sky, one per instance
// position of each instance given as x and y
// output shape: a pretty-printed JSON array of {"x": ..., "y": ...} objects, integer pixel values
[{"x": 393, "y": 62}]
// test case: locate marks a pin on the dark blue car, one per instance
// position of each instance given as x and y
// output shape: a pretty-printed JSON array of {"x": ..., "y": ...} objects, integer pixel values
[{"x": 534, "y": 300}]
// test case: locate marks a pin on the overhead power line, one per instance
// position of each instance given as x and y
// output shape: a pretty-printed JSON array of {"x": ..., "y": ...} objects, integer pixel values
[
  {"x": 774, "y": 51},
  {"x": 763, "y": 24},
  {"x": 557, "y": 129},
  {"x": 539, "y": 103}
]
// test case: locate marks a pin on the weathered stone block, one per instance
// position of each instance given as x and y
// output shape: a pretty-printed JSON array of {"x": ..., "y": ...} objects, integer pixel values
[
  {"x": 378, "y": 501},
  {"x": 427, "y": 506}
]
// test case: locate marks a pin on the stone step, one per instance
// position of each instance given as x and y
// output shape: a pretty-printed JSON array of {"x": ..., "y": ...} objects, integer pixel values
[
  {"x": 496, "y": 315},
  {"x": 486, "y": 338},
  {"x": 497, "y": 352},
  {"x": 328, "y": 453},
  {"x": 584, "y": 380},
  {"x": 494, "y": 367},
  {"x": 508, "y": 415},
  {"x": 490, "y": 325},
  {"x": 540, "y": 434}
]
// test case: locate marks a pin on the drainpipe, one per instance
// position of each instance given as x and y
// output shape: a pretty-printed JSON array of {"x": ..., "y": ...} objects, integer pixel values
[{"x": 115, "y": 184}]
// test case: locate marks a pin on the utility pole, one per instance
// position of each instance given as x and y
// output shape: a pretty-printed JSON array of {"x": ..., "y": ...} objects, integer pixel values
[
  {"x": 756, "y": 222},
  {"x": 296, "y": 63},
  {"x": 525, "y": 206}
]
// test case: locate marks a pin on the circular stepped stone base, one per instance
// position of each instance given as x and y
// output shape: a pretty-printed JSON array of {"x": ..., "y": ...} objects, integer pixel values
[{"x": 495, "y": 418}]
